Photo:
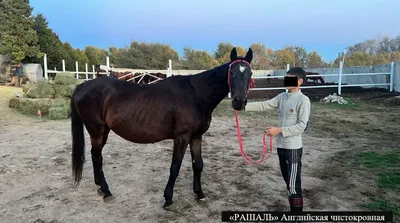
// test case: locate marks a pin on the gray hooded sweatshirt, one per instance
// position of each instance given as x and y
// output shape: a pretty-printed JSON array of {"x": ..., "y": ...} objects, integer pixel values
[{"x": 293, "y": 110}]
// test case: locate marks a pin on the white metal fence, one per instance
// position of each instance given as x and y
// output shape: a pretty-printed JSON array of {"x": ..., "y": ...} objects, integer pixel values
[
  {"x": 339, "y": 85},
  {"x": 93, "y": 72}
]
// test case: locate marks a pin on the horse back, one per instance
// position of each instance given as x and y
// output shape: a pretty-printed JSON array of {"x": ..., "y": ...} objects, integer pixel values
[{"x": 142, "y": 112}]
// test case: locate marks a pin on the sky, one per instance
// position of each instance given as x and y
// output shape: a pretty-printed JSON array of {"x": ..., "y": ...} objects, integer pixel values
[{"x": 326, "y": 26}]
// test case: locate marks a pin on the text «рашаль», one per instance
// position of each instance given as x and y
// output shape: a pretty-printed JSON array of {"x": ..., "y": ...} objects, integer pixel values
[{"x": 230, "y": 216}]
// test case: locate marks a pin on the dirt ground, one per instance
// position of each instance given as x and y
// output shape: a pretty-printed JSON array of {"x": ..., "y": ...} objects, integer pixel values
[{"x": 36, "y": 181}]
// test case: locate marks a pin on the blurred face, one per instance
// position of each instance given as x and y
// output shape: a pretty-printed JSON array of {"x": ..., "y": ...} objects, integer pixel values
[{"x": 299, "y": 82}]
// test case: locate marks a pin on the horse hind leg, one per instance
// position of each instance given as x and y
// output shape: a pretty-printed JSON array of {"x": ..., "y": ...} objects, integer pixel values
[
  {"x": 197, "y": 165},
  {"x": 98, "y": 141},
  {"x": 180, "y": 145}
]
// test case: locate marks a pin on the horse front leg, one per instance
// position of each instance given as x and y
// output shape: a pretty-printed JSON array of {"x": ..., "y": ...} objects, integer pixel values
[
  {"x": 197, "y": 165},
  {"x": 180, "y": 145}
]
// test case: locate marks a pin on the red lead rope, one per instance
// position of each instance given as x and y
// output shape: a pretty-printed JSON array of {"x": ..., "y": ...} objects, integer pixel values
[{"x": 249, "y": 160}]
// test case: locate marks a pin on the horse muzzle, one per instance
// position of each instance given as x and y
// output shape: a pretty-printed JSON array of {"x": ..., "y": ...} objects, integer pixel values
[{"x": 239, "y": 103}]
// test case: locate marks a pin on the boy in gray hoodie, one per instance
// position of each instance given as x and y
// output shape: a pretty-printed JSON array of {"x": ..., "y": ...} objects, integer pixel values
[{"x": 294, "y": 111}]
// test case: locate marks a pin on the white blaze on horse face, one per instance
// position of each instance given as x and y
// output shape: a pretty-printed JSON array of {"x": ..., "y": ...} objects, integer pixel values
[{"x": 241, "y": 68}]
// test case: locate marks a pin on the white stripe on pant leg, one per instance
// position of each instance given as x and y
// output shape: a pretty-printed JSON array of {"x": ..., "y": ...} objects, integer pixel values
[
  {"x": 293, "y": 173},
  {"x": 291, "y": 179}
]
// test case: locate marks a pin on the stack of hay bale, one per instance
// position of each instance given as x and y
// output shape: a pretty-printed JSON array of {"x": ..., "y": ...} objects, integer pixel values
[{"x": 52, "y": 98}]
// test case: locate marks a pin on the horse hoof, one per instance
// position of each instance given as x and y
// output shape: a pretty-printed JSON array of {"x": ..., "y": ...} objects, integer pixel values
[
  {"x": 100, "y": 192},
  {"x": 109, "y": 199},
  {"x": 168, "y": 203},
  {"x": 203, "y": 199}
]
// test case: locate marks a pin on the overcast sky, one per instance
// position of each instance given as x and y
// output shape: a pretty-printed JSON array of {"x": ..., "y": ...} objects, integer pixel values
[{"x": 326, "y": 26}]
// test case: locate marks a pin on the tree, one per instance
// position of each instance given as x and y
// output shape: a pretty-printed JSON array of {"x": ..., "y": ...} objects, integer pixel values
[
  {"x": 359, "y": 59},
  {"x": 260, "y": 60},
  {"x": 18, "y": 39},
  {"x": 281, "y": 58},
  {"x": 197, "y": 60},
  {"x": 82, "y": 59},
  {"x": 117, "y": 57},
  {"x": 49, "y": 43},
  {"x": 95, "y": 55},
  {"x": 314, "y": 60},
  {"x": 300, "y": 55},
  {"x": 395, "y": 56},
  {"x": 70, "y": 56},
  {"x": 146, "y": 55},
  {"x": 222, "y": 53}
]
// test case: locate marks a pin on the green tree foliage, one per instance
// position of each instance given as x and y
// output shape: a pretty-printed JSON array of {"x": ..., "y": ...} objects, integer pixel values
[
  {"x": 314, "y": 60},
  {"x": 70, "y": 57},
  {"x": 82, "y": 60},
  {"x": 95, "y": 55},
  {"x": 280, "y": 58},
  {"x": 49, "y": 43},
  {"x": 140, "y": 55},
  {"x": 18, "y": 39},
  {"x": 223, "y": 52},
  {"x": 197, "y": 60},
  {"x": 372, "y": 52}
]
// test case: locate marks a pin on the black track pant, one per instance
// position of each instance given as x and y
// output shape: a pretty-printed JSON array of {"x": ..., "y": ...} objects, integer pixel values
[{"x": 290, "y": 164}]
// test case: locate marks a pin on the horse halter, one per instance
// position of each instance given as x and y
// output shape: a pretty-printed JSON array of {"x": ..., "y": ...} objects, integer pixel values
[{"x": 251, "y": 82}]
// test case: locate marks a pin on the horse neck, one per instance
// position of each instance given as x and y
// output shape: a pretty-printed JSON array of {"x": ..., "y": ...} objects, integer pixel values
[{"x": 211, "y": 87}]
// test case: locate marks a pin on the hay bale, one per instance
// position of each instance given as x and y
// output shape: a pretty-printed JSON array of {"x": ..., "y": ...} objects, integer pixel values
[
  {"x": 30, "y": 106},
  {"x": 79, "y": 81},
  {"x": 58, "y": 112},
  {"x": 14, "y": 102},
  {"x": 65, "y": 78},
  {"x": 63, "y": 90},
  {"x": 43, "y": 89}
]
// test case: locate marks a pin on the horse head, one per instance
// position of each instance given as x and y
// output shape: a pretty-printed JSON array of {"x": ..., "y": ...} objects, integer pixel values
[{"x": 239, "y": 78}]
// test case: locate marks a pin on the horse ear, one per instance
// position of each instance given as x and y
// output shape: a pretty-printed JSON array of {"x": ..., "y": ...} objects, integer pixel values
[
  {"x": 249, "y": 56},
  {"x": 233, "y": 54}
]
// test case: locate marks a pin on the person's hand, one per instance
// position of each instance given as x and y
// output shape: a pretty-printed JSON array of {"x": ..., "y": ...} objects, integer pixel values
[{"x": 273, "y": 131}]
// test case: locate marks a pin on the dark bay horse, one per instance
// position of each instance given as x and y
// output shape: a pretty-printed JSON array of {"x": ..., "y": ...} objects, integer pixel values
[
  {"x": 178, "y": 108},
  {"x": 315, "y": 79}
]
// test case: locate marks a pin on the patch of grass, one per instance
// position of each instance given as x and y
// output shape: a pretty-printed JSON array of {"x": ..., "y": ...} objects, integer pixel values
[
  {"x": 386, "y": 166},
  {"x": 379, "y": 160},
  {"x": 379, "y": 204},
  {"x": 389, "y": 180}
]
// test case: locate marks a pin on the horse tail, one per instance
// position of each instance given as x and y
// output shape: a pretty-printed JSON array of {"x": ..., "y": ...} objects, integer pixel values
[{"x": 78, "y": 139}]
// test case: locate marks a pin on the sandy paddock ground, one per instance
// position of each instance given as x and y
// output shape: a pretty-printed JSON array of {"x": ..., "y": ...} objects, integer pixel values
[{"x": 37, "y": 186}]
